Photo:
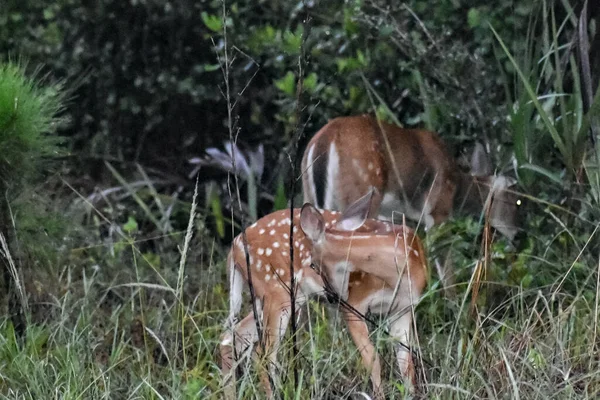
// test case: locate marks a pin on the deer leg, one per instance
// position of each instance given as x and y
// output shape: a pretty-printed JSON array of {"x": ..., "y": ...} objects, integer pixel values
[
  {"x": 277, "y": 317},
  {"x": 400, "y": 330},
  {"x": 241, "y": 337},
  {"x": 447, "y": 276},
  {"x": 360, "y": 336}
]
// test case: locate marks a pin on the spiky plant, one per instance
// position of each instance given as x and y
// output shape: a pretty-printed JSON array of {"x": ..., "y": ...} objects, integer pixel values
[{"x": 28, "y": 121}]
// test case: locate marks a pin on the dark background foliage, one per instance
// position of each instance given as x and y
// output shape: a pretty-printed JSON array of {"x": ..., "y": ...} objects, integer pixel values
[{"x": 150, "y": 89}]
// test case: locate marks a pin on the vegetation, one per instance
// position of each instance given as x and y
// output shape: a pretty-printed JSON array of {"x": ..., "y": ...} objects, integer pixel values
[{"x": 121, "y": 244}]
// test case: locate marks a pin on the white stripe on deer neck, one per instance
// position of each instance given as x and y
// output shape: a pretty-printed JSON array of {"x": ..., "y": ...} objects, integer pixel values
[{"x": 333, "y": 167}]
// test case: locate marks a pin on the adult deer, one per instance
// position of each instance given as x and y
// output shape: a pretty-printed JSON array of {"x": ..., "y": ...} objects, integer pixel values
[
  {"x": 411, "y": 170},
  {"x": 373, "y": 265}
]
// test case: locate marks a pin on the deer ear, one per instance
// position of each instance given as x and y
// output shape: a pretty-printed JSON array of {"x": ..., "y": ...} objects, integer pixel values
[
  {"x": 480, "y": 161},
  {"x": 311, "y": 222},
  {"x": 355, "y": 215}
]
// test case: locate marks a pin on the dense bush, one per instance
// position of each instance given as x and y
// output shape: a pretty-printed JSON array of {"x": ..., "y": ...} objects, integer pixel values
[{"x": 151, "y": 90}]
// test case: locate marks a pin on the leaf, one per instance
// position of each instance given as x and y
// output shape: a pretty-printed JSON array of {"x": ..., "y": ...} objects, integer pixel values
[
  {"x": 292, "y": 41},
  {"x": 212, "y": 22},
  {"x": 558, "y": 141},
  {"x": 542, "y": 171},
  {"x": 49, "y": 14},
  {"x": 280, "y": 201},
  {"x": 474, "y": 18},
  {"x": 310, "y": 82},
  {"x": 217, "y": 213},
  {"x": 131, "y": 225},
  {"x": 287, "y": 84},
  {"x": 350, "y": 25}
]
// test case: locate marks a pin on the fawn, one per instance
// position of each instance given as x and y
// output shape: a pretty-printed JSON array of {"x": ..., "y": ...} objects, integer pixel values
[{"x": 372, "y": 265}]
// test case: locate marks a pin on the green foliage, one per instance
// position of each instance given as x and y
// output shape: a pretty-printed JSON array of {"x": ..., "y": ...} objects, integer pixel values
[
  {"x": 156, "y": 69},
  {"x": 28, "y": 121}
]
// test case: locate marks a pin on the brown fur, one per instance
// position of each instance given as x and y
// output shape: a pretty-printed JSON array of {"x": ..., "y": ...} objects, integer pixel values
[{"x": 413, "y": 166}]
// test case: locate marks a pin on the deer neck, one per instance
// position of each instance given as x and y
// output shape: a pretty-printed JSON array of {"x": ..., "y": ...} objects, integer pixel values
[
  {"x": 344, "y": 253},
  {"x": 471, "y": 194}
]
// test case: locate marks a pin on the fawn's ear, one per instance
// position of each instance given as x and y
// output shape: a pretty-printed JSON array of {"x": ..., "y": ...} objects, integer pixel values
[
  {"x": 312, "y": 223},
  {"x": 481, "y": 164},
  {"x": 355, "y": 215}
]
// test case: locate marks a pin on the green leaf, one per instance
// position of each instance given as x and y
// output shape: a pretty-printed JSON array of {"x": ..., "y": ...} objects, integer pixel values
[
  {"x": 543, "y": 171},
  {"x": 280, "y": 201},
  {"x": 558, "y": 141},
  {"x": 310, "y": 82},
  {"x": 474, "y": 18},
  {"x": 292, "y": 41},
  {"x": 131, "y": 225},
  {"x": 210, "y": 67},
  {"x": 212, "y": 22},
  {"x": 287, "y": 84},
  {"x": 48, "y": 14},
  {"x": 350, "y": 24},
  {"x": 351, "y": 64},
  {"x": 263, "y": 37},
  {"x": 217, "y": 213}
]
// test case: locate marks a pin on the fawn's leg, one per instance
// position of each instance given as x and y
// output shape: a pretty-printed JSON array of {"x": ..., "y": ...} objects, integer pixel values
[
  {"x": 360, "y": 335},
  {"x": 234, "y": 342},
  {"x": 400, "y": 330},
  {"x": 276, "y": 317}
]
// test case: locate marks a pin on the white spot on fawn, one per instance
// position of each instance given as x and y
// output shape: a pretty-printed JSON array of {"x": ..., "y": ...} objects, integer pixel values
[
  {"x": 253, "y": 225},
  {"x": 370, "y": 166},
  {"x": 286, "y": 236},
  {"x": 258, "y": 265},
  {"x": 260, "y": 251},
  {"x": 416, "y": 253},
  {"x": 296, "y": 243},
  {"x": 280, "y": 272},
  {"x": 268, "y": 251},
  {"x": 301, "y": 247},
  {"x": 267, "y": 277},
  {"x": 227, "y": 341},
  {"x": 273, "y": 222},
  {"x": 284, "y": 253},
  {"x": 261, "y": 231},
  {"x": 268, "y": 267},
  {"x": 276, "y": 245},
  {"x": 295, "y": 229},
  {"x": 272, "y": 232}
]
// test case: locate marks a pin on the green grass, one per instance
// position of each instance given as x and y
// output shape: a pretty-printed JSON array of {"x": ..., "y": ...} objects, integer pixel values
[{"x": 117, "y": 320}]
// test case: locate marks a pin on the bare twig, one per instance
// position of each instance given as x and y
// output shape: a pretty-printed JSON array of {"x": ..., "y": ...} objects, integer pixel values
[
  {"x": 292, "y": 190},
  {"x": 225, "y": 63}
]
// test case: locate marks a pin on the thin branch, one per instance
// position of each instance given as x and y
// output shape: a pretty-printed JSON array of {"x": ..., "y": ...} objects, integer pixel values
[
  {"x": 293, "y": 156},
  {"x": 225, "y": 64}
]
